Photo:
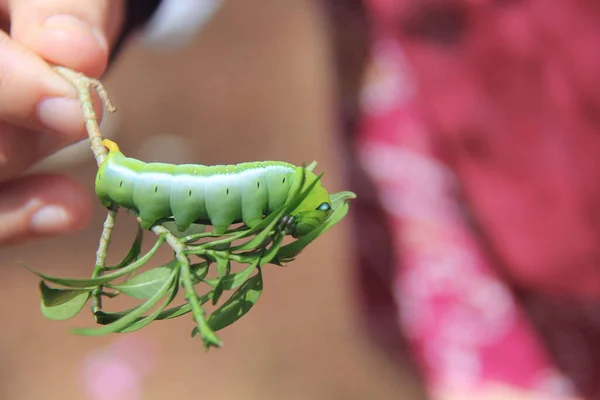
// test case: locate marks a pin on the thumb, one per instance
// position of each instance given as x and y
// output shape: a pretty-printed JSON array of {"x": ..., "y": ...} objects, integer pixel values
[{"x": 72, "y": 33}]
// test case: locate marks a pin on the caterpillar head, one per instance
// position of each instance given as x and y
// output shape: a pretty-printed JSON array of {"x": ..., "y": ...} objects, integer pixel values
[{"x": 314, "y": 209}]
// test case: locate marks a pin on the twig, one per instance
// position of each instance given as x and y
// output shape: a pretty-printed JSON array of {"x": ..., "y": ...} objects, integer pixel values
[
  {"x": 101, "y": 253},
  {"x": 83, "y": 84}
]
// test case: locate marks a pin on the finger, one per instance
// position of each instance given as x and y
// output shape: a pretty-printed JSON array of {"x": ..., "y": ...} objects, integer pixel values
[
  {"x": 33, "y": 95},
  {"x": 39, "y": 110},
  {"x": 21, "y": 148},
  {"x": 41, "y": 205},
  {"x": 71, "y": 33}
]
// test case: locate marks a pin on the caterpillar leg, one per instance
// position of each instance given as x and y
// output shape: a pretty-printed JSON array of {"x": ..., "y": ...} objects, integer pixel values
[
  {"x": 253, "y": 223},
  {"x": 145, "y": 222},
  {"x": 220, "y": 229},
  {"x": 288, "y": 224}
]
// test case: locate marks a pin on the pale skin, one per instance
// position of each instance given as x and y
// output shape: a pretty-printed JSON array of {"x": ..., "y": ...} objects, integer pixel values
[{"x": 39, "y": 110}]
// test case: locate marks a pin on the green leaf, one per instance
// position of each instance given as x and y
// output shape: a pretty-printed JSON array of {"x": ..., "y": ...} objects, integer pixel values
[
  {"x": 217, "y": 292},
  {"x": 62, "y": 304},
  {"x": 144, "y": 285},
  {"x": 133, "y": 253},
  {"x": 272, "y": 221},
  {"x": 183, "y": 309},
  {"x": 197, "y": 236},
  {"x": 92, "y": 283},
  {"x": 132, "y": 316},
  {"x": 273, "y": 250},
  {"x": 142, "y": 322},
  {"x": 233, "y": 281},
  {"x": 207, "y": 335},
  {"x": 105, "y": 318},
  {"x": 238, "y": 304},
  {"x": 199, "y": 271},
  {"x": 340, "y": 206}
]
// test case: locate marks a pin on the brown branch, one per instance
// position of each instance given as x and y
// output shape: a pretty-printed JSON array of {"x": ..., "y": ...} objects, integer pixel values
[{"x": 84, "y": 84}]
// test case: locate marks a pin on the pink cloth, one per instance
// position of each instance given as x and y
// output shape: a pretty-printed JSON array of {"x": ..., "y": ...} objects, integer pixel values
[{"x": 505, "y": 115}]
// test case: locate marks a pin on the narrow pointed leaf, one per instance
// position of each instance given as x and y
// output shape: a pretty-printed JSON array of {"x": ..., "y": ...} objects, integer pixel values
[
  {"x": 94, "y": 282},
  {"x": 233, "y": 281},
  {"x": 105, "y": 318},
  {"x": 134, "y": 252},
  {"x": 199, "y": 271},
  {"x": 273, "y": 251},
  {"x": 197, "y": 236},
  {"x": 217, "y": 292},
  {"x": 238, "y": 304}
]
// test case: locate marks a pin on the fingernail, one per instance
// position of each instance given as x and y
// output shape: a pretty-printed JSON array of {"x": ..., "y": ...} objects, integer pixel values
[
  {"x": 49, "y": 219},
  {"x": 68, "y": 23},
  {"x": 61, "y": 114}
]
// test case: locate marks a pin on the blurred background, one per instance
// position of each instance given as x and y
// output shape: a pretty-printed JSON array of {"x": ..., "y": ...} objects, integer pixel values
[{"x": 254, "y": 84}]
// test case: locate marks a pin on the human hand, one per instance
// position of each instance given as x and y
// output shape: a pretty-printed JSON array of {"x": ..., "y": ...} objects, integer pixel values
[{"x": 39, "y": 110}]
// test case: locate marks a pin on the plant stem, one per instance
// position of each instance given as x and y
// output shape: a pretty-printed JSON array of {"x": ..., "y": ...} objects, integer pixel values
[
  {"x": 101, "y": 253},
  {"x": 83, "y": 84},
  {"x": 206, "y": 333}
]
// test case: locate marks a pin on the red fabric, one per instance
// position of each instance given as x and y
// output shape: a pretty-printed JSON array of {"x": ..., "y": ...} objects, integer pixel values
[
  {"x": 497, "y": 104},
  {"x": 514, "y": 102}
]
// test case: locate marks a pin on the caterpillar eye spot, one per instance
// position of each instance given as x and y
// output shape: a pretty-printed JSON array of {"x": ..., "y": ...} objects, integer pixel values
[
  {"x": 227, "y": 191},
  {"x": 121, "y": 184},
  {"x": 190, "y": 193},
  {"x": 258, "y": 185},
  {"x": 283, "y": 181},
  {"x": 155, "y": 189},
  {"x": 324, "y": 207}
]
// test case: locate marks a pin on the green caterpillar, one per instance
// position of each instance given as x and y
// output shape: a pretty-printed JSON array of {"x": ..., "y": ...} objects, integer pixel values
[{"x": 219, "y": 195}]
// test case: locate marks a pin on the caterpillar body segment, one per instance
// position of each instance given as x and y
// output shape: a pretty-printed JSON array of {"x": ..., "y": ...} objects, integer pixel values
[{"x": 218, "y": 195}]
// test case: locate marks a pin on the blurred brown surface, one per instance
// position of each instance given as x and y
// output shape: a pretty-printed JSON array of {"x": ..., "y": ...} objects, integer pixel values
[{"x": 254, "y": 85}]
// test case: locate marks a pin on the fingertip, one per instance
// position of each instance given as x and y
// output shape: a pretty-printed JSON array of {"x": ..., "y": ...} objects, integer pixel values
[
  {"x": 40, "y": 206},
  {"x": 69, "y": 41},
  {"x": 64, "y": 33},
  {"x": 66, "y": 206}
]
